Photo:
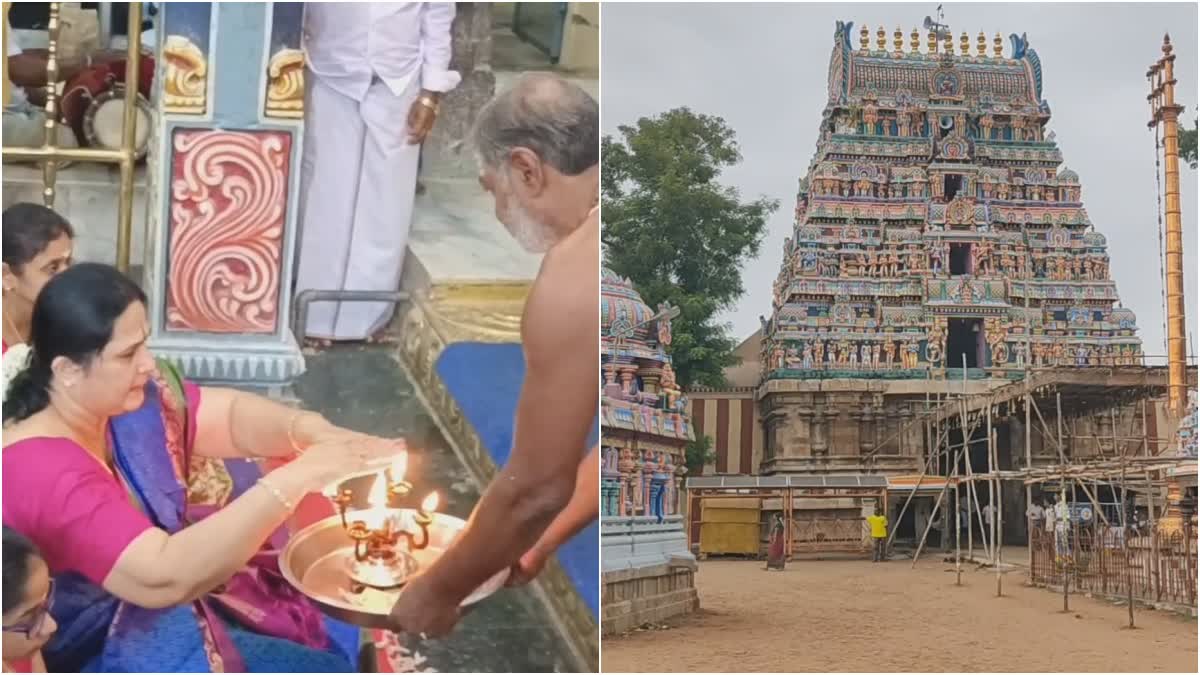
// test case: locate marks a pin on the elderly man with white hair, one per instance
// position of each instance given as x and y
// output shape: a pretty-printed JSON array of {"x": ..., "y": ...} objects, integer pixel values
[{"x": 538, "y": 146}]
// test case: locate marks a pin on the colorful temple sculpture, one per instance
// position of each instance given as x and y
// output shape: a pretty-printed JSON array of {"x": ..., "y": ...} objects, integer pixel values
[
  {"x": 940, "y": 248},
  {"x": 648, "y": 571},
  {"x": 935, "y": 231}
]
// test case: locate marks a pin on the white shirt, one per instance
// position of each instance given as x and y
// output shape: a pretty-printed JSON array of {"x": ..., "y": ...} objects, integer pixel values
[
  {"x": 348, "y": 44},
  {"x": 16, "y": 94},
  {"x": 1034, "y": 512}
]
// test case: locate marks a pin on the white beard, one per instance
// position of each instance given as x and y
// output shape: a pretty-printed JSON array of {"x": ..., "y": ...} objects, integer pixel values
[{"x": 529, "y": 233}]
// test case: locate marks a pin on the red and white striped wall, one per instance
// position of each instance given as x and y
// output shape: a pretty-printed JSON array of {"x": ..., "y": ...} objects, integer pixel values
[{"x": 730, "y": 418}]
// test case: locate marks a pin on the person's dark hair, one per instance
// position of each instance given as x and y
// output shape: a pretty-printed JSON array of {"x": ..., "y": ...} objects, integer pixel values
[
  {"x": 28, "y": 229},
  {"x": 19, "y": 552},
  {"x": 554, "y": 118},
  {"x": 73, "y": 316}
]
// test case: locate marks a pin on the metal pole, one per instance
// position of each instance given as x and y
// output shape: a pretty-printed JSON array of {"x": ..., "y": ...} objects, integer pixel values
[
  {"x": 1124, "y": 519},
  {"x": 991, "y": 524},
  {"x": 998, "y": 542},
  {"x": 1028, "y": 487},
  {"x": 129, "y": 135},
  {"x": 1166, "y": 111},
  {"x": 1066, "y": 518},
  {"x": 50, "y": 126}
]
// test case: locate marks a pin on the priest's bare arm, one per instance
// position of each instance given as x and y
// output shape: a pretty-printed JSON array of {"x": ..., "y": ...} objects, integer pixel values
[{"x": 560, "y": 332}]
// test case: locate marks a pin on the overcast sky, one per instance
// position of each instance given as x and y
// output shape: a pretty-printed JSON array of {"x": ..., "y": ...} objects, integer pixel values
[{"x": 763, "y": 68}]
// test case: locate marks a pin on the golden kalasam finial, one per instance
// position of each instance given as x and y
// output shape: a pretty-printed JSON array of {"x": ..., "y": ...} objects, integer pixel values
[
  {"x": 997, "y": 46},
  {"x": 864, "y": 37},
  {"x": 915, "y": 41},
  {"x": 964, "y": 44},
  {"x": 981, "y": 45},
  {"x": 948, "y": 44},
  {"x": 933, "y": 45},
  {"x": 898, "y": 40},
  {"x": 881, "y": 39}
]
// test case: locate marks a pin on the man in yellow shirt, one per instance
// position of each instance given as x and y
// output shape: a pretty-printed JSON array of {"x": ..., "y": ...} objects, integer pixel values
[{"x": 878, "y": 523}]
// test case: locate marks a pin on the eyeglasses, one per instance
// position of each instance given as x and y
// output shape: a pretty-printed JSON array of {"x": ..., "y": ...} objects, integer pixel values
[{"x": 33, "y": 625}]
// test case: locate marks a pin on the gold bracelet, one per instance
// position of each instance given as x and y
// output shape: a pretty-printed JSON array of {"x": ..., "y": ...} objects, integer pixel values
[
  {"x": 290, "y": 428},
  {"x": 428, "y": 102},
  {"x": 275, "y": 492}
]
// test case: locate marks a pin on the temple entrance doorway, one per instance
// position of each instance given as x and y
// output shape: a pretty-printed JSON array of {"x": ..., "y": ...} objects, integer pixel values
[
  {"x": 960, "y": 259},
  {"x": 964, "y": 338}
]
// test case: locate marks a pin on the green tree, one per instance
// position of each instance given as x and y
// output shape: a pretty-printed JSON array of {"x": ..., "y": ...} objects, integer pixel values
[
  {"x": 1187, "y": 143},
  {"x": 698, "y": 453},
  {"x": 679, "y": 234}
]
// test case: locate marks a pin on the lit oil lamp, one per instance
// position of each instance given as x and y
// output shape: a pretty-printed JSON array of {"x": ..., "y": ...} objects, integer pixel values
[{"x": 379, "y": 559}]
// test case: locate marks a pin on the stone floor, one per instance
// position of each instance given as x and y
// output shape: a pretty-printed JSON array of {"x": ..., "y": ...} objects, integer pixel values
[{"x": 363, "y": 388}]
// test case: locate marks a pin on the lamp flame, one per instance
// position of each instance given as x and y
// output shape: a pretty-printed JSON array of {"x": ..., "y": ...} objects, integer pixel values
[
  {"x": 377, "y": 498},
  {"x": 399, "y": 466},
  {"x": 430, "y": 504}
]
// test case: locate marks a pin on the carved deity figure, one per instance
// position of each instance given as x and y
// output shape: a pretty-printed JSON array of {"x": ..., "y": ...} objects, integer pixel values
[
  {"x": 889, "y": 353},
  {"x": 866, "y": 355},
  {"x": 806, "y": 360},
  {"x": 853, "y": 356},
  {"x": 875, "y": 356},
  {"x": 1019, "y": 350},
  {"x": 669, "y": 387},
  {"x": 893, "y": 261},
  {"x": 843, "y": 353},
  {"x": 831, "y": 355},
  {"x": 1059, "y": 354},
  {"x": 777, "y": 356},
  {"x": 819, "y": 353},
  {"x": 1081, "y": 355},
  {"x": 985, "y": 126},
  {"x": 1018, "y": 127},
  {"x": 999, "y": 353},
  {"x": 793, "y": 357},
  {"x": 982, "y": 263}
]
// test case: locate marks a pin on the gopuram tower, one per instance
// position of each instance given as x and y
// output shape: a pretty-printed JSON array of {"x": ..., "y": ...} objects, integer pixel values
[{"x": 939, "y": 246}]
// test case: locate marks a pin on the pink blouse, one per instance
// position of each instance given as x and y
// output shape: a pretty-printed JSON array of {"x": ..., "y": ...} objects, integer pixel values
[{"x": 79, "y": 515}]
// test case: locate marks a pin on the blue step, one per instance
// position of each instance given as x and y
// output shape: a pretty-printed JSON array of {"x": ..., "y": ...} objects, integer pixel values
[{"x": 485, "y": 381}]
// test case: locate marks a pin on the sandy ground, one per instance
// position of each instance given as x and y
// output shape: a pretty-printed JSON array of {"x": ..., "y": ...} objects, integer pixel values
[{"x": 858, "y": 616}]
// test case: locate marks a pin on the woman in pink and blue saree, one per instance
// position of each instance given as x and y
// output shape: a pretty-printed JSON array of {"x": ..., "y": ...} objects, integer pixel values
[{"x": 144, "y": 495}]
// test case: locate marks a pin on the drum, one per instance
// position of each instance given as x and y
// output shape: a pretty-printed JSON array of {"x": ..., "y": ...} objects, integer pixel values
[
  {"x": 103, "y": 120},
  {"x": 81, "y": 101}
]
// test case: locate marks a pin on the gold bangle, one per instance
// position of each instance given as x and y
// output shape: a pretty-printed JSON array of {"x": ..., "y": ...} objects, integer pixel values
[
  {"x": 290, "y": 429},
  {"x": 428, "y": 102},
  {"x": 275, "y": 492}
]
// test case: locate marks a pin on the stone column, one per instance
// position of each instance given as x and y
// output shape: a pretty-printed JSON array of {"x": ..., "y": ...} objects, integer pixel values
[
  {"x": 444, "y": 154},
  {"x": 223, "y": 190}
]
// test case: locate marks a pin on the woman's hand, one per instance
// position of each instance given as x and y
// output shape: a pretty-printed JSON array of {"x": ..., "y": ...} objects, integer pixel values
[{"x": 343, "y": 454}]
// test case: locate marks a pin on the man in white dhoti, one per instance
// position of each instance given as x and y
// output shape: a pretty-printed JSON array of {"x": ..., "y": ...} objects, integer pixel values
[{"x": 376, "y": 74}]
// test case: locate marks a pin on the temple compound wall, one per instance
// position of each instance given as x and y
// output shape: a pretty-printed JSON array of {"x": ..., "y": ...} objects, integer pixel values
[
  {"x": 939, "y": 247},
  {"x": 648, "y": 571}
]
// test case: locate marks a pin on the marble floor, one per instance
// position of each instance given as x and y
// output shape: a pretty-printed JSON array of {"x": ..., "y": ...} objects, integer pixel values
[{"x": 363, "y": 388}]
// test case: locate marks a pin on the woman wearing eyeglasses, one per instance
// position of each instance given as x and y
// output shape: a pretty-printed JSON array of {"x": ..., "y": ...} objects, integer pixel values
[{"x": 28, "y": 590}]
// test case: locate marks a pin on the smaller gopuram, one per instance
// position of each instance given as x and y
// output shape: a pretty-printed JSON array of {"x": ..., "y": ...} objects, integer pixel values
[{"x": 648, "y": 571}]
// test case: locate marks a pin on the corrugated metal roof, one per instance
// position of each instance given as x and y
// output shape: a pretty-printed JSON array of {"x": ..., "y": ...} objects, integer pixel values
[{"x": 811, "y": 482}]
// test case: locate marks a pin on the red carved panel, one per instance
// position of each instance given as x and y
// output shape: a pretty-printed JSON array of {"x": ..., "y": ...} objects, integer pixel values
[{"x": 229, "y": 192}]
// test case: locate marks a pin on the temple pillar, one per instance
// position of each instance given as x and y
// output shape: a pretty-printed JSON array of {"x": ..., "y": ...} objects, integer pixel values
[
  {"x": 442, "y": 155},
  {"x": 223, "y": 189}
]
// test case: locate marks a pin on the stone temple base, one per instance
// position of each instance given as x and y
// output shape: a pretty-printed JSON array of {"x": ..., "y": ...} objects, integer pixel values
[
  {"x": 639, "y": 595},
  {"x": 649, "y": 575}
]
